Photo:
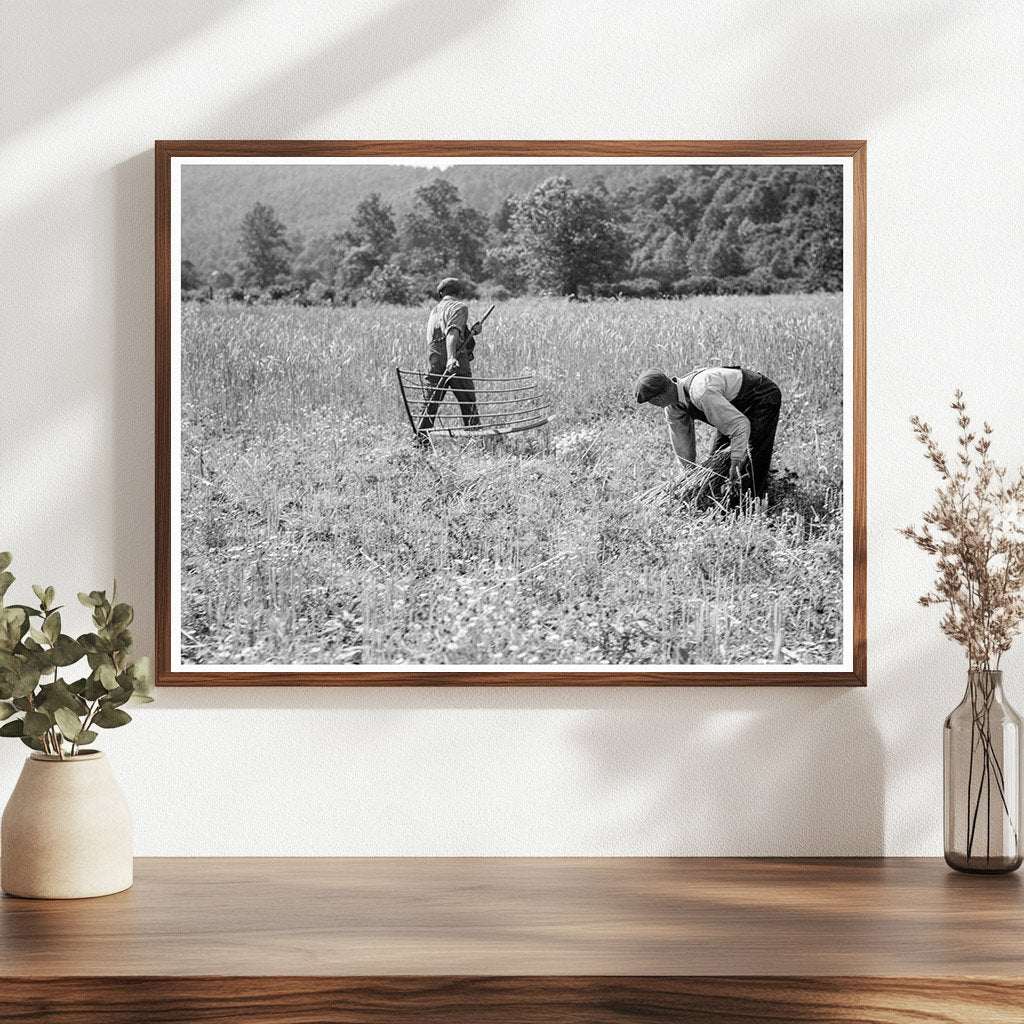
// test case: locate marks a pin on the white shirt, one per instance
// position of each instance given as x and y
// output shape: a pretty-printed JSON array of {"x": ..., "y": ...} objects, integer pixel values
[{"x": 712, "y": 391}]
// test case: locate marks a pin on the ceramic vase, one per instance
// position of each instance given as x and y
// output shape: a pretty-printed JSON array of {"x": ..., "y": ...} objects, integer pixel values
[{"x": 66, "y": 831}]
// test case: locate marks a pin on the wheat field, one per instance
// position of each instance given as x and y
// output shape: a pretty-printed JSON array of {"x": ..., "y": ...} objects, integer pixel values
[{"x": 313, "y": 532}]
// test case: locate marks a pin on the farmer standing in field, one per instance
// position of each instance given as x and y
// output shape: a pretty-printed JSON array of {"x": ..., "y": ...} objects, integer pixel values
[
  {"x": 742, "y": 404},
  {"x": 451, "y": 342}
]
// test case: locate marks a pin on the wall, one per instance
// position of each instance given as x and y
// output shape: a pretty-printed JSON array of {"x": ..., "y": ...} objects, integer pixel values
[{"x": 935, "y": 87}]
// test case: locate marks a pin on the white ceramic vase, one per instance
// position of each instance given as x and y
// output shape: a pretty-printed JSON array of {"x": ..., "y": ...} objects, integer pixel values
[{"x": 66, "y": 831}]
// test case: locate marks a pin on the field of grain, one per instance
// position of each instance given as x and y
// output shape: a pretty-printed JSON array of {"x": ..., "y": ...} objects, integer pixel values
[{"x": 313, "y": 532}]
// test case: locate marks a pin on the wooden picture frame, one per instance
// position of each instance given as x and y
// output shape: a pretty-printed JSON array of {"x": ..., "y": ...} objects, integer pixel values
[{"x": 173, "y": 670}]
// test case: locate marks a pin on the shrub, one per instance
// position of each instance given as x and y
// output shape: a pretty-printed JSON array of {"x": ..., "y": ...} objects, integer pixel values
[
  {"x": 696, "y": 286},
  {"x": 494, "y": 291},
  {"x": 388, "y": 285},
  {"x": 638, "y": 288},
  {"x": 738, "y": 285},
  {"x": 320, "y": 294},
  {"x": 761, "y": 281}
]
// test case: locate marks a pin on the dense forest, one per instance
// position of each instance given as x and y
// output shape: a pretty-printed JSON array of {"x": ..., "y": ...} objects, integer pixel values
[{"x": 375, "y": 233}]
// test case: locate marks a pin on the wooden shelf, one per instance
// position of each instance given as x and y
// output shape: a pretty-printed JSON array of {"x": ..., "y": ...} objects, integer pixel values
[{"x": 284, "y": 941}]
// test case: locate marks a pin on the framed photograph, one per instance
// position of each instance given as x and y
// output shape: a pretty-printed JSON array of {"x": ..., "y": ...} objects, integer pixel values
[{"x": 510, "y": 413}]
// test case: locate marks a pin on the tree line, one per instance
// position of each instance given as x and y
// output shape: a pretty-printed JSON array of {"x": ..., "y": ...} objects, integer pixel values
[{"x": 727, "y": 229}]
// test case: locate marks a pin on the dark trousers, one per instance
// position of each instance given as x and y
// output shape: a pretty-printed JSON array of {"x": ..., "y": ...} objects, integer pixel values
[
  {"x": 760, "y": 400},
  {"x": 461, "y": 385}
]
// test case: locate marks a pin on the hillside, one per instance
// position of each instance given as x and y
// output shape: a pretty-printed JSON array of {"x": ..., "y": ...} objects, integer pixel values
[
  {"x": 719, "y": 227},
  {"x": 313, "y": 199}
]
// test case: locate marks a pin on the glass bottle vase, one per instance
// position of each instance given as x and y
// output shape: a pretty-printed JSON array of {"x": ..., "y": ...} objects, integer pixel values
[{"x": 981, "y": 771}]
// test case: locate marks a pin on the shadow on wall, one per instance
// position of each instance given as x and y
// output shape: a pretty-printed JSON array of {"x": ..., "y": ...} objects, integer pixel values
[
  {"x": 49, "y": 45},
  {"x": 393, "y": 40},
  {"x": 811, "y": 55},
  {"x": 693, "y": 771},
  {"x": 739, "y": 771},
  {"x": 927, "y": 676}
]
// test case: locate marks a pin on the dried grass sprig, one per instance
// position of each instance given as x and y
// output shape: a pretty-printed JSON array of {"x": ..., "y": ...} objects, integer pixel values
[{"x": 975, "y": 530}]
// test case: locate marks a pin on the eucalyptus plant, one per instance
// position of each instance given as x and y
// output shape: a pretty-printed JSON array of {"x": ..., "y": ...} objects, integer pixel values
[{"x": 46, "y": 712}]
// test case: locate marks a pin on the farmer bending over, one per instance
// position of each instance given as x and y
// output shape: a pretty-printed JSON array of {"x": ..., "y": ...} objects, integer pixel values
[
  {"x": 742, "y": 404},
  {"x": 451, "y": 343}
]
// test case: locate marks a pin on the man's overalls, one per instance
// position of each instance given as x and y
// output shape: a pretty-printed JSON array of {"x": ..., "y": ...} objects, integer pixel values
[
  {"x": 759, "y": 399},
  {"x": 460, "y": 383}
]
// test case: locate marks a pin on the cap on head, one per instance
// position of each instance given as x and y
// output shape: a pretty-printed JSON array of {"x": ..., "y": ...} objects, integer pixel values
[
  {"x": 650, "y": 384},
  {"x": 450, "y": 286}
]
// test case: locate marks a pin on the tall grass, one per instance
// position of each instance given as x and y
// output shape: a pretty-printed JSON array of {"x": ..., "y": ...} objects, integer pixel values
[{"x": 313, "y": 532}]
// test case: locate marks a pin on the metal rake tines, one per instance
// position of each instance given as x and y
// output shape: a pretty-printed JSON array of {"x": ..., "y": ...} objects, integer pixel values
[
  {"x": 423, "y": 374},
  {"x": 505, "y": 409},
  {"x": 449, "y": 415},
  {"x": 428, "y": 388}
]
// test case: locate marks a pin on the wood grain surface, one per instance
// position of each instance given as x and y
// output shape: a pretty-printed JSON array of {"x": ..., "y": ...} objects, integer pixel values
[
  {"x": 531, "y": 916},
  {"x": 165, "y": 151},
  {"x": 536, "y": 1000},
  {"x": 310, "y": 940}
]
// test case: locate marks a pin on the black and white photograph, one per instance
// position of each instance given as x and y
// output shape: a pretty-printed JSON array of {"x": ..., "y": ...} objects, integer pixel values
[{"x": 516, "y": 413}]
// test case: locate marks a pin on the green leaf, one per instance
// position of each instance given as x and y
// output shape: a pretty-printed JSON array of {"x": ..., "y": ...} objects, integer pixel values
[
  {"x": 96, "y": 661},
  {"x": 125, "y": 641},
  {"x": 107, "y": 718},
  {"x": 115, "y": 698},
  {"x": 95, "y": 645},
  {"x": 22, "y": 703},
  {"x": 51, "y": 626},
  {"x": 36, "y": 723},
  {"x": 40, "y": 592},
  {"x": 89, "y": 600},
  {"x": 86, "y": 736},
  {"x": 5, "y": 560},
  {"x": 107, "y": 676},
  {"x": 94, "y": 689},
  {"x": 59, "y": 695},
  {"x": 28, "y": 610},
  {"x": 31, "y": 741},
  {"x": 38, "y": 635},
  {"x": 142, "y": 681},
  {"x": 87, "y": 641},
  {"x": 13, "y": 728},
  {"x": 66, "y": 651},
  {"x": 6, "y": 579},
  {"x": 50, "y": 595},
  {"x": 12, "y": 627},
  {"x": 15, "y": 615},
  {"x": 69, "y": 724},
  {"x": 27, "y": 682},
  {"x": 6, "y": 710},
  {"x": 122, "y": 616}
]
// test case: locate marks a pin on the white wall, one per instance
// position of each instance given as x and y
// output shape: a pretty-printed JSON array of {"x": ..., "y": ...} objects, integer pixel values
[{"x": 937, "y": 90}]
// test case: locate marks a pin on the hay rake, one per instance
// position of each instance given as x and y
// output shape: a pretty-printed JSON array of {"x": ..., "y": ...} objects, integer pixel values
[{"x": 507, "y": 405}]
